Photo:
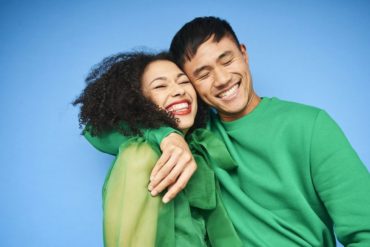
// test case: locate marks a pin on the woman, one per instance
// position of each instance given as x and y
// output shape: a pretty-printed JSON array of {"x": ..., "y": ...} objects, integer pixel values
[{"x": 136, "y": 94}]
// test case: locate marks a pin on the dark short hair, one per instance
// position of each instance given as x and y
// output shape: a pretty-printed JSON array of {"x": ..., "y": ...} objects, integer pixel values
[
  {"x": 187, "y": 40},
  {"x": 113, "y": 98}
]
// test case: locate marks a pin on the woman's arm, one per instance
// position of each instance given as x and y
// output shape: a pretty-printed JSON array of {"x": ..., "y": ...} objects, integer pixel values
[
  {"x": 110, "y": 141},
  {"x": 130, "y": 212},
  {"x": 175, "y": 153}
]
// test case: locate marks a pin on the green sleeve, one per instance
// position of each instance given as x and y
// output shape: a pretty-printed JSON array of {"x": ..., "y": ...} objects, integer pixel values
[
  {"x": 109, "y": 142},
  {"x": 130, "y": 212},
  {"x": 342, "y": 182},
  {"x": 157, "y": 135}
]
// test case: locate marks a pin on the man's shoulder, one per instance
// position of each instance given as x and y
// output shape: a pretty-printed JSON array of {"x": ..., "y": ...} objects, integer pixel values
[
  {"x": 290, "y": 109},
  {"x": 275, "y": 110},
  {"x": 291, "y": 105}
]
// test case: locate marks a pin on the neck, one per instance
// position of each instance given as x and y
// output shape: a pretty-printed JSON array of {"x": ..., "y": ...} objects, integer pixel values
[
  {"x": 253, "y": 101},
  {"x": 184, "y": 131}
]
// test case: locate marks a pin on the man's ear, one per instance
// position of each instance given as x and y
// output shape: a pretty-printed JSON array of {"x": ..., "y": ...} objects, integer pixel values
[{"x": 243, "y": 49}]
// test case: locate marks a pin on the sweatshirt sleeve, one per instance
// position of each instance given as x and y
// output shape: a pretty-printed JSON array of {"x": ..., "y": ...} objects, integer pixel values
[
  {"x": 109, "y": 142},
  {"x": 130, "y": 212},
  {"x": 342, "y": 182}
]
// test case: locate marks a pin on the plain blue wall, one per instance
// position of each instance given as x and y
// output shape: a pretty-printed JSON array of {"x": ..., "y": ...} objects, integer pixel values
[{"x": 314, "y": 52}]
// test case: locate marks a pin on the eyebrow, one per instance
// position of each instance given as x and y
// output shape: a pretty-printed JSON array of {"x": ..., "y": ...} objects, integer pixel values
[
  {"x": 162, "y": 78},
  {"x": 180, "y": 75},
  {"x": 225, "y": 54},
  {"x": 197, "y": 71},
  {"x": 200, "y": 69}
]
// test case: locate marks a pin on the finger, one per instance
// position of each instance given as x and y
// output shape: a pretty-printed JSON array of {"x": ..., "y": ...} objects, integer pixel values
[
  {"x": 180, "y": 184},
  {"x": 171, "y": 178},
  {"x": 160, "y": 163},
  {"x": 164, "y": 171},
  {"x": 178, "y": 158}
]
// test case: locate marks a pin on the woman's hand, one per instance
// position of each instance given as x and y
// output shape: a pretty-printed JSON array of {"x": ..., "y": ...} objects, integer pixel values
[{"x": 174, "y": 168}]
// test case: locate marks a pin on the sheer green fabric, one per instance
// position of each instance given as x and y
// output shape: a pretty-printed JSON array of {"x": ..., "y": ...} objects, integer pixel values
[
  {"x": 210, "y": 152},
  {"x": 130, "y": 212},
  {"x": 196, "y": 217}
]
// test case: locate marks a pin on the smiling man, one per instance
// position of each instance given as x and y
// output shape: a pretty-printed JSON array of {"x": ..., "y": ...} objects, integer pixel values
[
  {"x": 220, "y": 73},
  {"x": 298, "y": 178}
]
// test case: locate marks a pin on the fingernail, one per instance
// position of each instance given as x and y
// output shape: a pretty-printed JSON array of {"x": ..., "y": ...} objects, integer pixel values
[
  {"x": 154, "y": 193},
  {"x": 151, "y": 178},
  {"x": 150, "y": 187},
  {"x": 166, "y": 199}
]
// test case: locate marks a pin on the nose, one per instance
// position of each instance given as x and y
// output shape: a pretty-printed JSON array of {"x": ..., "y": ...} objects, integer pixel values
[
  {"x": 177, "y": 90},
  {"x": 221, "y": 76}
]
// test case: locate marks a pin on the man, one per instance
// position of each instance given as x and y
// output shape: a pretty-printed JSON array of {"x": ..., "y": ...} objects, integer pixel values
[{"x": 298, "y": 178}]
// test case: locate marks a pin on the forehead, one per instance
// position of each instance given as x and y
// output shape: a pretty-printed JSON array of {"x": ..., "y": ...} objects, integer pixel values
[
  {"x": 160, "y": 68},
  {"x": 210, "y": 51}
]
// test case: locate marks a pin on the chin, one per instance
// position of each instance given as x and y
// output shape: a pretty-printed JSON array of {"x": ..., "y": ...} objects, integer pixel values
[
  {"x": 185, "y": 126},
  {"x": 237, "y": 106}
]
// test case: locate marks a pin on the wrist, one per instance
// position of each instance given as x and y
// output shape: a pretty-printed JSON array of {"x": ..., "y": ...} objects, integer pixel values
[{"x": 174, "y": 138}]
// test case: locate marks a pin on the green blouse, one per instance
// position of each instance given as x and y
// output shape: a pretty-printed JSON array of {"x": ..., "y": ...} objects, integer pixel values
[{"x": 196, "y": 217}]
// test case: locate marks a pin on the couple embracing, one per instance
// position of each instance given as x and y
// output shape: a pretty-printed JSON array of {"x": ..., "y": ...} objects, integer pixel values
[{"x": 202, "y": 160}]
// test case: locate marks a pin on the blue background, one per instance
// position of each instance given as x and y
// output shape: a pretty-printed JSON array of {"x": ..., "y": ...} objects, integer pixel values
[{"x": 313, "y": 52}]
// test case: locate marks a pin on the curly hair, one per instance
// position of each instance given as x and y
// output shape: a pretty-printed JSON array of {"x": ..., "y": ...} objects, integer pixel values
[{"x": 113, "y": 99}]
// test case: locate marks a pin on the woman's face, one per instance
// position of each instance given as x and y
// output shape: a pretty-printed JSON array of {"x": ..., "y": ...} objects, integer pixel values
[{"x": 169, "y": 88}]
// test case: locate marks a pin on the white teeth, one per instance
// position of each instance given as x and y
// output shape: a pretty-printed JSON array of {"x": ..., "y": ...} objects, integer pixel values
[
  {"x": 177, "y": 107},
  {"x": 229, "y": 92}
]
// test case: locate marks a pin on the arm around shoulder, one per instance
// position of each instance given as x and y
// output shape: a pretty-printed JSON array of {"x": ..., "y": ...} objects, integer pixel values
[{"x": 110, "y": 142}]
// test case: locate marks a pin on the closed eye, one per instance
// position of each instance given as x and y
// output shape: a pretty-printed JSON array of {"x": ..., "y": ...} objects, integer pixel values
[
  {"x": 203, "y": 76},
  {"x": 159, "y": 86},
  {"x": 227, "y": 62},
  {"x": 184, "y": 82}
]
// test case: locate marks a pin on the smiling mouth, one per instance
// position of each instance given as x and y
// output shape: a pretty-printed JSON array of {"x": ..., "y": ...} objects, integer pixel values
[
  {"x": 179, "y": 108},
  {"x": 229, "y": 93}
]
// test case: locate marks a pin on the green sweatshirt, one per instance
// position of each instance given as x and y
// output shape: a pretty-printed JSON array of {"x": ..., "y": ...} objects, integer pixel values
[{"x": 297, "y": 178}]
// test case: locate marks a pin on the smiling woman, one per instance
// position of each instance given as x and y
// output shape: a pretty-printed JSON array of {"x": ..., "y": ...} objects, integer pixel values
[
  {"x": 173, "y": 92},
  {"x": 113, "y": 94},
  {"x": 137, "y": 96}
]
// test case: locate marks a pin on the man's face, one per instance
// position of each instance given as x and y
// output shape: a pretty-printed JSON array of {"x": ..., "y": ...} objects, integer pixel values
[{"x": 220, "y": 74}]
